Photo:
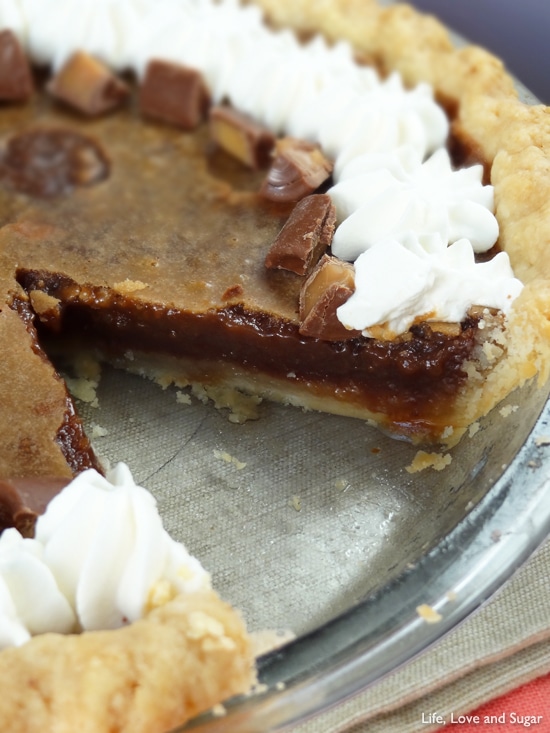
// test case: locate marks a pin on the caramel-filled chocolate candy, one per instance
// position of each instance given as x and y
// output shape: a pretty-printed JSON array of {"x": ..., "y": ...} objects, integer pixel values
[
  {"x": 305, "y": 237},
  {"x": 241, "y": 137},
  {"x": 298, "y": 169},
  {"x": 16, "y": 84},
  {"x": 330, "y": 284},
  {"x": 22, "y": 500},
  {"x": 173, "y": 93},
  {"x": 52, "y": 161},
  {"x": 87, "y": 85}
]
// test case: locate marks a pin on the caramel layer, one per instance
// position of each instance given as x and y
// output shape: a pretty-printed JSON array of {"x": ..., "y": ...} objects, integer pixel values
[{"x": 411, "y": 380}]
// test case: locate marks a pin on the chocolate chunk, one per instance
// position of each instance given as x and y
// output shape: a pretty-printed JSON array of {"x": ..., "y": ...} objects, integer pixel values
[
  {"x": 305, "y": 236},
  {"x": 49, "y": 162},
  {"x": 173, "y": 93},
  {"x": 328, "y": 287},
  {"x": 87, "y": 85},
  {"x": 298, "y": 169},
  {"x": 16, "y": 84},
  {"x": 241, "y": 137},
  {"x": 22, "y": 500}
]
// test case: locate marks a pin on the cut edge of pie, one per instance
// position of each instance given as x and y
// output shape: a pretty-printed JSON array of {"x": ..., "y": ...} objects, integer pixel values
[{"x": 510, "y": 137}]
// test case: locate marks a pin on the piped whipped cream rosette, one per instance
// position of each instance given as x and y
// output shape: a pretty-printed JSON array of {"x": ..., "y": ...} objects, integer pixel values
[
  {"x": 270, "y": 75},
  {"x": 100, "y": 559},
  {"x": 397, "y": 217},
  {"x": 375, "y": 201},
  {"x": 30, "y": 599},
  {"x": 289, "y": 84},
  {"x": 105, "y": 29},
  {"x": 436, "y": 282},
  {"x": 383, "y": 119}
]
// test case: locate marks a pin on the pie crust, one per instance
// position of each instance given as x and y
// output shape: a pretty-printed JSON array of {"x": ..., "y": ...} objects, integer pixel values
[{"x": 132, "y": 679}]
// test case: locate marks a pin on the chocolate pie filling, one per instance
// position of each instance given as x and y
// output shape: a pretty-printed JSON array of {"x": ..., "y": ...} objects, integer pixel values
[
  {"x": 161, "y": 250},
  {"x": 408, "y": 379}
]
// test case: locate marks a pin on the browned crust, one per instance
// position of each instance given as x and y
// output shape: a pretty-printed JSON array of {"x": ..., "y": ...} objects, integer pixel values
[{"x": 149, "y": 677}]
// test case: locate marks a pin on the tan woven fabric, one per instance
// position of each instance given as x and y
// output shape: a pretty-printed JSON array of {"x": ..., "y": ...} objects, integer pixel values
[{"x": 504, "y": 644}]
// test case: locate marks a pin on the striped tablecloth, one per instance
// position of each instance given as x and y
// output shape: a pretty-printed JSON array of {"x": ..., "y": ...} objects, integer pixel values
[{"x": 491, "y": 674}]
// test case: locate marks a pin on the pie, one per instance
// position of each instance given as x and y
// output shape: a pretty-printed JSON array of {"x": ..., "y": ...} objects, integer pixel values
[
  {"x": 148, "y": 618},
  {"x": 167, "y": 283},
  {"x": 123, "y": 237}
]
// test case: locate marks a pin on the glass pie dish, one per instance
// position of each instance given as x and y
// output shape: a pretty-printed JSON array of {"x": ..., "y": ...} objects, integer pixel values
[{"x": 319, "y": 528}]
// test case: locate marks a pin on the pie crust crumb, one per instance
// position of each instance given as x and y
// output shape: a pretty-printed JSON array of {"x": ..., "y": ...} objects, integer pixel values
[
  {"x": 428, "y": 614},
  {"x": 423, "y": 460},
  {"x": 134, "y": 679},
  {"x": 129, "y": 286}
]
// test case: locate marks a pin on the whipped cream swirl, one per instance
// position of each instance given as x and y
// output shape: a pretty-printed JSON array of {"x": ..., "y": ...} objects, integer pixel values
[
  {"x": 379, "y": 197},
  {"x": 436, "y": 282},
  {"x": 30, "y": 600},
  {"x": 392, "y": 173},
  {"x": 100, "y": 559}
]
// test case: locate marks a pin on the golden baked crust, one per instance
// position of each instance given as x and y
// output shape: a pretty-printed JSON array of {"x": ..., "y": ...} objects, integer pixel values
[
  {"x": 511, "y": 137},
  {"x": 149, "y": 677}
]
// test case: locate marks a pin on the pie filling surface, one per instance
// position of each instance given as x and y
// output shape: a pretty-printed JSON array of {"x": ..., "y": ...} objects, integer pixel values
[{"x": 166, "y": 257}]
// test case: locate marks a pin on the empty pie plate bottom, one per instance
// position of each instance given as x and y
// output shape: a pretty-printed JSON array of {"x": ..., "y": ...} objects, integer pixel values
[{"x": 316, "y": 526}]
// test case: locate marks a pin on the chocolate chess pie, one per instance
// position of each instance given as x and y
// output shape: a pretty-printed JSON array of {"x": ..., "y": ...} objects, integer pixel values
[{"x": 134, "y": 228}]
